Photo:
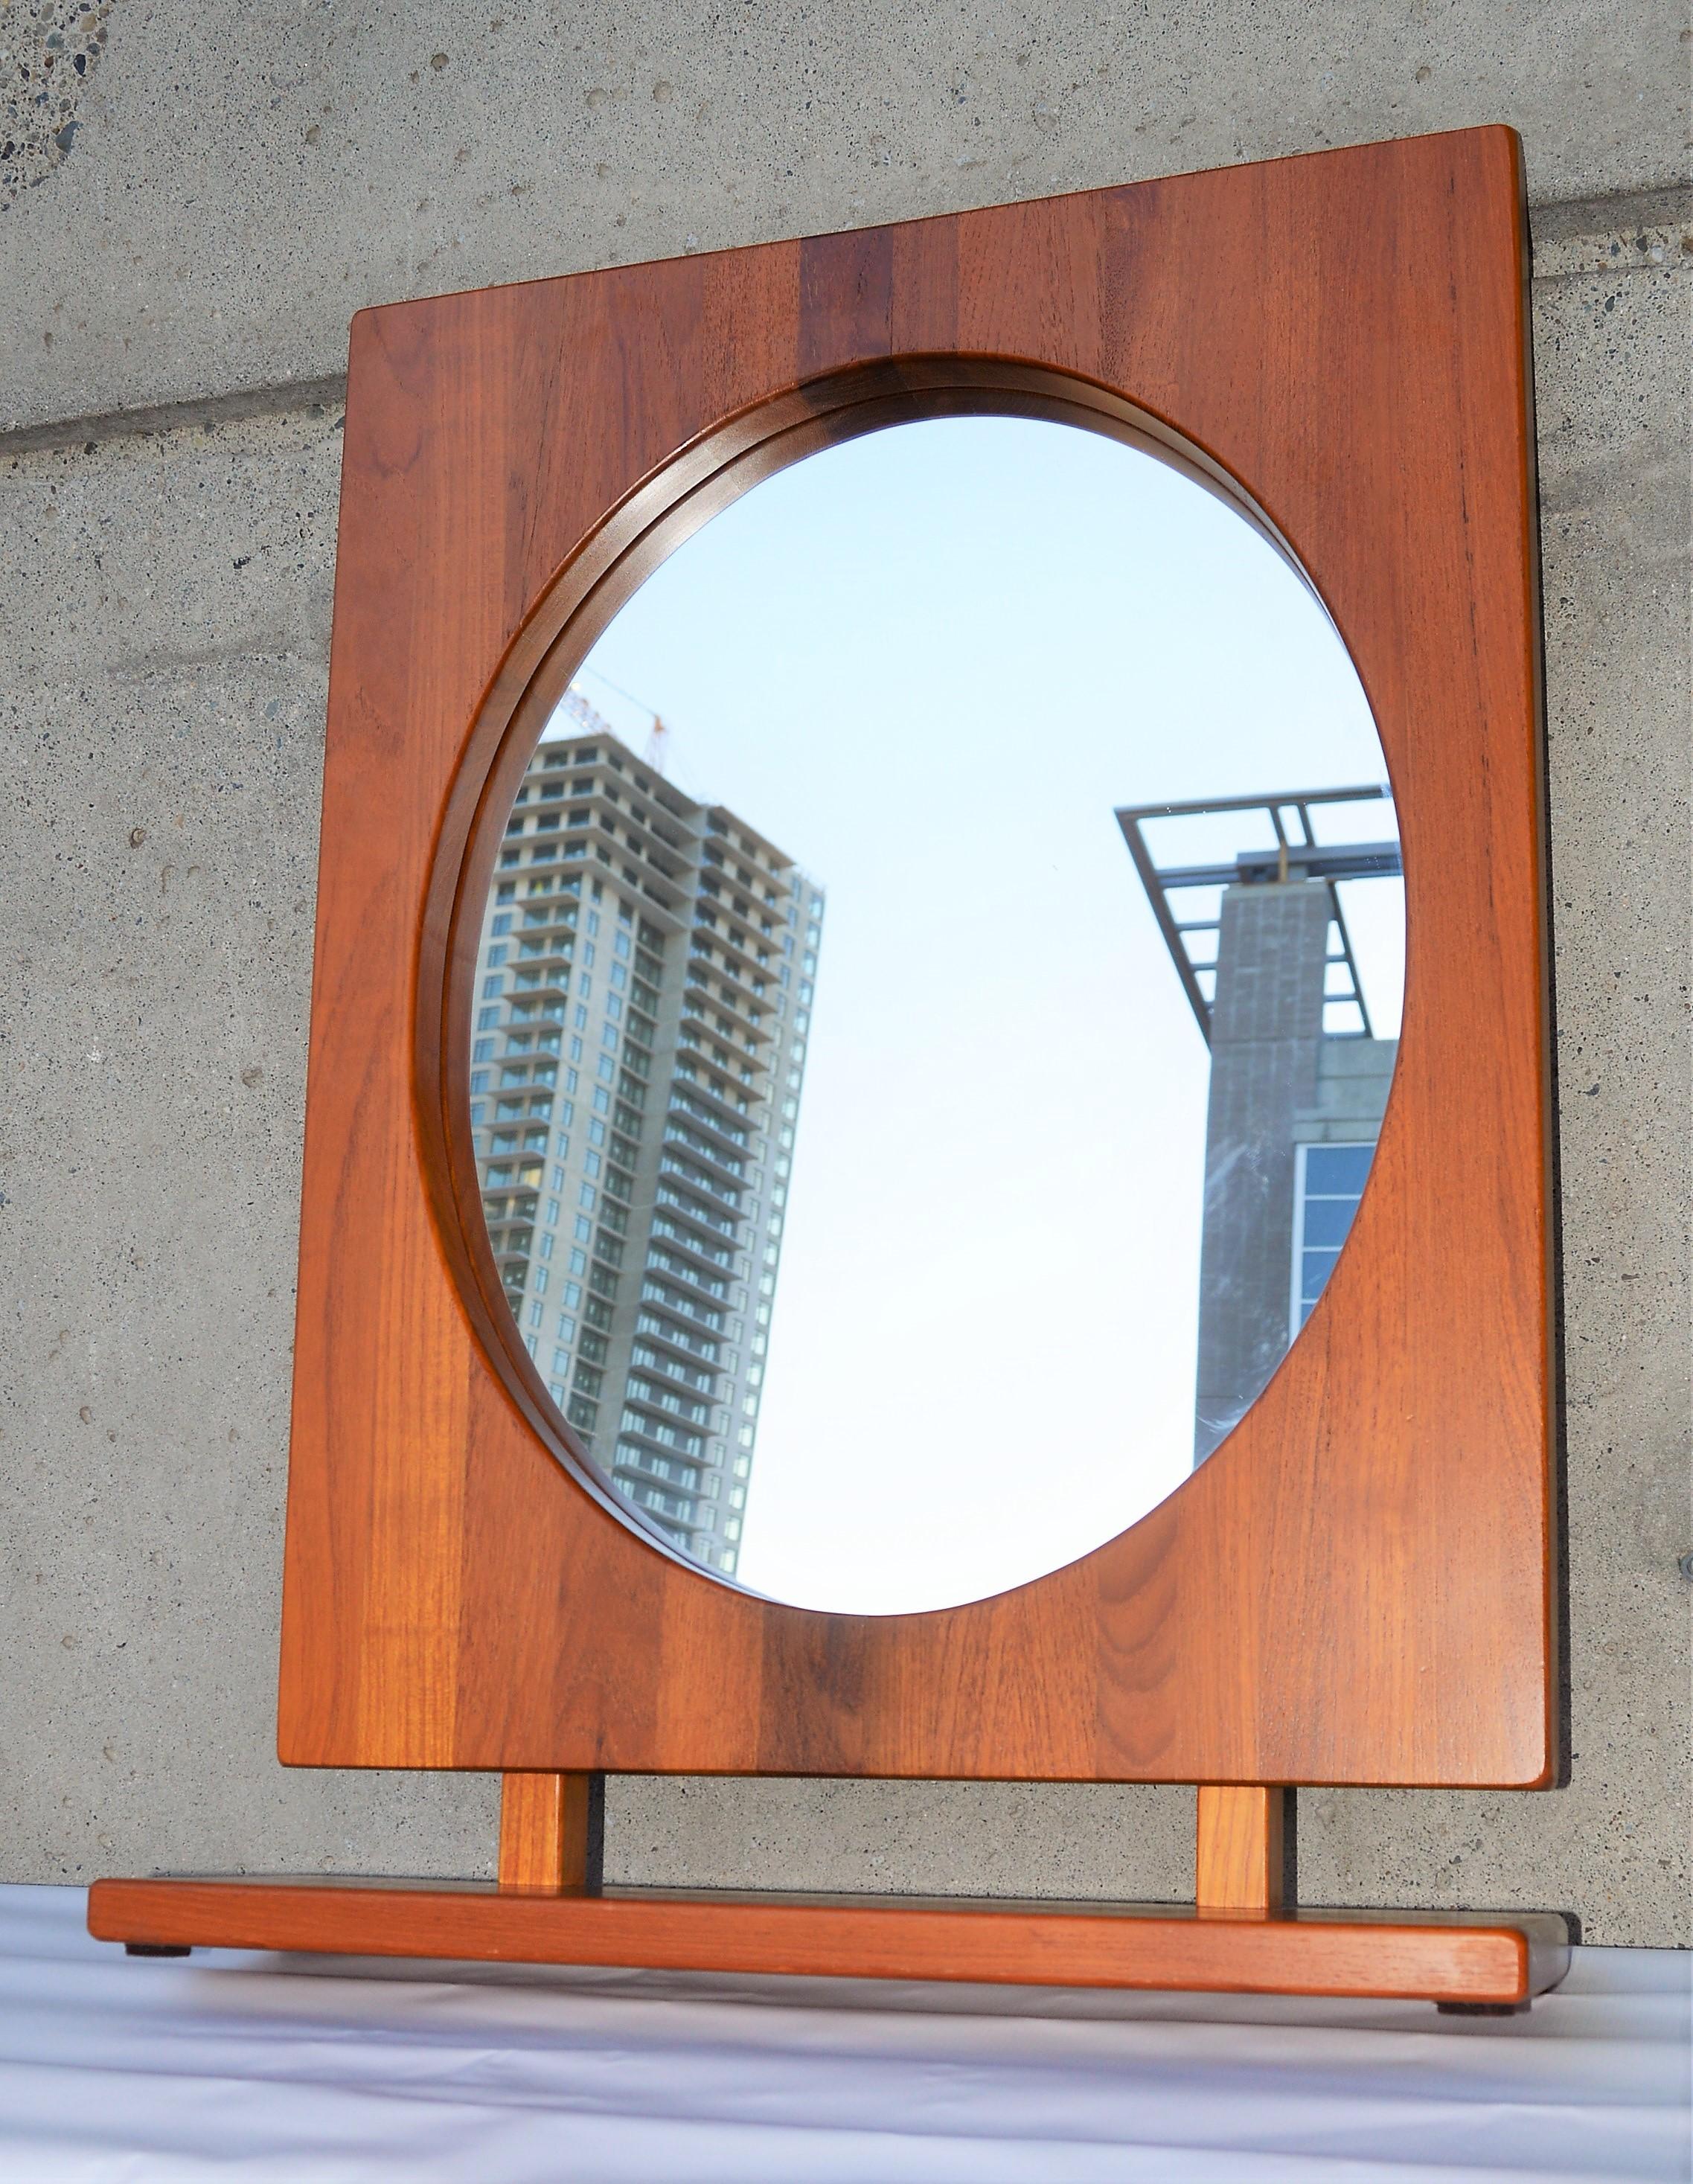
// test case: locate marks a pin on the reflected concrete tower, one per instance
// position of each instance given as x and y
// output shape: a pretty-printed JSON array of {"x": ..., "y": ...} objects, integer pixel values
[
  {"x": 645, "y": 983},
  {"x": 1299, "y": 1081}
]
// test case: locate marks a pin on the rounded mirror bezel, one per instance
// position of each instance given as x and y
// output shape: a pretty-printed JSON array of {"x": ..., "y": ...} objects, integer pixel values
[{"x": 610, "y": 564}]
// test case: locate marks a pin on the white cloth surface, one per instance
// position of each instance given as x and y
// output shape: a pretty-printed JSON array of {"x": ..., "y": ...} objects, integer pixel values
[{"x": 317, "y": 2070}]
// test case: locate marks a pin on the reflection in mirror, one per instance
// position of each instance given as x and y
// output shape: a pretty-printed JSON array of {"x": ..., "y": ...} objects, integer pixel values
[{"x": 935, "y": 1004}]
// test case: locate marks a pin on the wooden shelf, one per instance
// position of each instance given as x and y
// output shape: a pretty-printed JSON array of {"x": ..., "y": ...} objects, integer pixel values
[{"x": 1453, "y": 1958}]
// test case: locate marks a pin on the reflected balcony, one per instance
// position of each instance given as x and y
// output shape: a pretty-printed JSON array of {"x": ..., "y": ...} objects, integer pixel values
[
  {"x": 726, "y": 1197},
  {"x": 703, "y": 1144},
  {"x": 672, "y": 1229},
  {"x": 705, "y": 1217}
]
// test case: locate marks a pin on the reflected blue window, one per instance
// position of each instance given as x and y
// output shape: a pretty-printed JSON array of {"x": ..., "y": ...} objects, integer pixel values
[
  {"x": 1328, "y": 1182},
  {"x": 1337, "y": 1170},
  {"x": 1326, "y": 1220}
]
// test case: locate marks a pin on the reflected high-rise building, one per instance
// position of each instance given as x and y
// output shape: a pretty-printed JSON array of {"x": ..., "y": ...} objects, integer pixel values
[
  {"x": 643, "y": 983},
  {"x": 1298, "y": 1078}
]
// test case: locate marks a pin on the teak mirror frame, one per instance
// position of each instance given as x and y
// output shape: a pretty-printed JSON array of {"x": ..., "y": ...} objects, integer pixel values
[{"x": 1358, "y": 1587}]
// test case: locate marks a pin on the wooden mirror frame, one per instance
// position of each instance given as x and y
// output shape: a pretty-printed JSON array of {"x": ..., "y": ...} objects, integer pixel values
[{"x": 1358, "y": 1587}]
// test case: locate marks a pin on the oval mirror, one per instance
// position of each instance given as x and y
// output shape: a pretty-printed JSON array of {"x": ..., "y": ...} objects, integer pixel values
[{"x": 935, "y": 1007}]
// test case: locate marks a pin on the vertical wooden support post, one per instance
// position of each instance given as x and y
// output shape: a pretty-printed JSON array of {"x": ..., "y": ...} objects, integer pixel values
[
  {"x": 545, "y": 1827},
  {"x": 1238, "y": 1865}
]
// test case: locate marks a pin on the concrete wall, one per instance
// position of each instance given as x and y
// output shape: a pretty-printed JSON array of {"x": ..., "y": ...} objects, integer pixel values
[{"x": 192, "y": 222}]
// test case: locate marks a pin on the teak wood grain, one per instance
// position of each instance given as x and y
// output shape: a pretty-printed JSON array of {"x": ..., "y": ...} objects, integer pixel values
[
  {"x": 1357, "y": 1587},
  {"x": 545, "y": 1822},
  {"x": 1239, "y": 1847},
  {"x": 1486, "y": 1960}
]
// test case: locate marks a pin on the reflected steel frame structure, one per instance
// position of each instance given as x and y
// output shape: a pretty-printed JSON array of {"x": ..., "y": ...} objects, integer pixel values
[{"x": 1301, "y": 853}]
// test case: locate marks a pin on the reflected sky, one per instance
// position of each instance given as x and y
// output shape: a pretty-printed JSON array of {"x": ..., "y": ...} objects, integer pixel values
[{"x": 929, "y": 663}]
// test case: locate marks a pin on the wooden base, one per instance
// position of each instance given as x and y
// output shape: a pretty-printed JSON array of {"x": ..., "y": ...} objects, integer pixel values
[{"x": 1450, "y": 1957}]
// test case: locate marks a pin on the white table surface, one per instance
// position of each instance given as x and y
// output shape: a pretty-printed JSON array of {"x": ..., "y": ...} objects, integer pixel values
[{"x": 128, "y": 2070}]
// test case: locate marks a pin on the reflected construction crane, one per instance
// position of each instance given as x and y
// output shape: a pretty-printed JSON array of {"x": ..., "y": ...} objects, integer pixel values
[{"x": 656, "y": 753}]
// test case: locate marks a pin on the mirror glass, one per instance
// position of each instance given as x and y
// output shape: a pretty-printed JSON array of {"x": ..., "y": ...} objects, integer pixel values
[{"x": 936, "y": 1002}]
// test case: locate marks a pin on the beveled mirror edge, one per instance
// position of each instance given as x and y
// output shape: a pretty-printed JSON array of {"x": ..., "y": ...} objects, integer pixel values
[{"x": 658, "y": 514}]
